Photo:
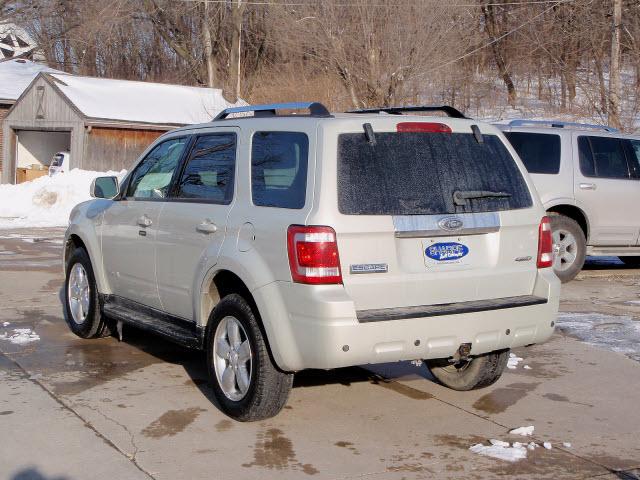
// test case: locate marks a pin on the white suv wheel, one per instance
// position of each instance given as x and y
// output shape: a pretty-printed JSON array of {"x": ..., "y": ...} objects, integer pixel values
[
  {"x": 565, "y": 248},
  {"x": 232, "y": 358}
]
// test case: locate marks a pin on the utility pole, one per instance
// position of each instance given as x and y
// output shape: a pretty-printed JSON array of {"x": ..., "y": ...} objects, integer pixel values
[
  {"x": 614, "y": 66},
  {"x": 208, "y": 47}
]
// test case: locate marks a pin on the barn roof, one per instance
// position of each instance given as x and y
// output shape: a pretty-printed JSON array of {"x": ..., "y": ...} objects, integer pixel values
[
  {"x": 15, "y": 77},
  {"x": 140, "y": 102}
]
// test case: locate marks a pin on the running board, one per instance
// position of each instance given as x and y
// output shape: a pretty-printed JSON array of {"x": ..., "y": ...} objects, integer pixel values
[
  {"x": 422, "y": 311},
  {"x": 620, "y": 251},
  {"x": 175, "y": 329}
]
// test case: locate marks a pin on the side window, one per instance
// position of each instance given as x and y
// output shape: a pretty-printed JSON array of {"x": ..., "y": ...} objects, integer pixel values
[
  {"x": 209, "y": 172},
  {"x": 279, "y": 169},
  {"x": 587, "y": 167},
  {"x": 540, "y": 152},
  {"x": 633, "y": 154},
  {"x": 607, "y": 157},
  {"x": 152, "y": 176}
]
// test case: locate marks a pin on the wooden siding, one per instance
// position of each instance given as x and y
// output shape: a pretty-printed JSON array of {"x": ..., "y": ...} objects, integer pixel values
[
  {"x": 115, "y": 148},
  {"x": 3, "y": 113}
]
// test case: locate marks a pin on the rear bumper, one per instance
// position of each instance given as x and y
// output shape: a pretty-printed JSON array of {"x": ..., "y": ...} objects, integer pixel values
[{"x": 318, "y": 326}]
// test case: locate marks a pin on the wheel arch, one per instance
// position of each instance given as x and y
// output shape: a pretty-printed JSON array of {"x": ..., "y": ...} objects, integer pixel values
[
  {"x": 75, "y": 240},
  {"x": 575, "y": 213},
  {"x": 217, "y": 285}
]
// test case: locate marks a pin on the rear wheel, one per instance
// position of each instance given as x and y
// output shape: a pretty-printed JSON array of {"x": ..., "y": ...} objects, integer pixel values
[
  {"x": 477, "y": 372},
  {"x": 82, "y": 309},
  {"x": 246, "y": 383},
  {"x": 569, "y": 247}
]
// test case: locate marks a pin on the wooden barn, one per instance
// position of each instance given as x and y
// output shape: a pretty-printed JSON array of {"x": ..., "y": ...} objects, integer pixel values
[
  {"x": 103, "y": 123},
  {"x": 15, "y": 77}
]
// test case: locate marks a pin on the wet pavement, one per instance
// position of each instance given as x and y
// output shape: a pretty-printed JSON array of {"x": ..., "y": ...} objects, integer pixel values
[{"x": 75, "y": 409}]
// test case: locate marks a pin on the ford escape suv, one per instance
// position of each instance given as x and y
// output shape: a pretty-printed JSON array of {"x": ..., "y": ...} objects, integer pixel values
[
  {"x": 588, "y": 179},
  {"x": 277, "y": 243}
]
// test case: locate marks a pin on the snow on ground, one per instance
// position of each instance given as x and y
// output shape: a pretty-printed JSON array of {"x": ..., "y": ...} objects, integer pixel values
[
  {"x": 513, "y": 361},
  {"x": 46, "y": 201},
  {"x": 619, "y": 333},
  {"x": 20, "y": 336},
  {"x": 501, "y": 450},
  {"x": 524, "y": 431}
]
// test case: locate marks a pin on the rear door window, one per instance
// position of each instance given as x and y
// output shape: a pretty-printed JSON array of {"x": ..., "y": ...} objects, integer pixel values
[
  {"x": 602, "y": 157},
  {"x": 540, "y": 152},
  {"x": 419, "y": 173},
  {"x": 210, "y": 170},
  {"x": 279, "y": 169}
]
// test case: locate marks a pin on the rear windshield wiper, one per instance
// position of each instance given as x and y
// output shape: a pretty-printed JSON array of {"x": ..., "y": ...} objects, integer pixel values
[{"x": 461, "y": 196}]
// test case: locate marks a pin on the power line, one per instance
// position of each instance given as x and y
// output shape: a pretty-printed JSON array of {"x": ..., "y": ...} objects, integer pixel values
[{"x": 495, "y": 40}]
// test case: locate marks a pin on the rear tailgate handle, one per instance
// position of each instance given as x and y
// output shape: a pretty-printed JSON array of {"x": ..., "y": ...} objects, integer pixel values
[
  {"x": 587, "y": 186},
  {"x": 144, "y": 221},
  {"x": 207, "y": 226}
]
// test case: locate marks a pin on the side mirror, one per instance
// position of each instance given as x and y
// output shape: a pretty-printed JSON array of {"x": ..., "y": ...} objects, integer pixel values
[{"x": 104, "y": 187}]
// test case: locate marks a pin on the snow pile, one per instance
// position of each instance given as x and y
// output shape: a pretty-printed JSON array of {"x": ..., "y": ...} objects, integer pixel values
[
  {"x": 501, "y": 450},
  {"x": 524, "y": 431},
  {"x": 21, "y": 336},
  {"x": 619, "y": 333},
  {"x": 46, "y": 201},
  {"x": 16, "y": 76},
  {"x": 143, "y": 101},
  {"x": 547, "y": 445},
  {"x": 513, "y": 361}
]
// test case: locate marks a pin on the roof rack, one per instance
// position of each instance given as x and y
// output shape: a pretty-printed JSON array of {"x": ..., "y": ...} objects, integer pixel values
[
  {"x": 316, "y": 109},
  {"x": 450, "y": 111},
  {"x": 559, "y": 124}
]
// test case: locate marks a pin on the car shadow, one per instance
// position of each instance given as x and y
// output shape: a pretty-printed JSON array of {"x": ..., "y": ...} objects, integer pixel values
[{"x": 606, "y": 263}]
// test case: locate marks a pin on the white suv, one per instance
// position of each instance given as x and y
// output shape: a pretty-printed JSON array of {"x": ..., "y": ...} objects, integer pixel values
[
  {"x": 278, "y": 243},
  {"x": 588, "y": 178}
]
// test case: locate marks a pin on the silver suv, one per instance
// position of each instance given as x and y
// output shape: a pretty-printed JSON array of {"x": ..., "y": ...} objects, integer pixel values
[
  {"x": 277, "y": 243},
  {"x": 588, "y": 178}
]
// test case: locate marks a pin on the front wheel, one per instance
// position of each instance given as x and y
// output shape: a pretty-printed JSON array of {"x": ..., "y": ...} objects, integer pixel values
[
  {"x": 246, "y": 383},
  {"x": 477, "y": 372},
  {"x": 82, "y": 308}
]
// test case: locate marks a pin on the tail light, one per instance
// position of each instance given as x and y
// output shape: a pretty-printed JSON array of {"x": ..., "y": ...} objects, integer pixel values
[
  {"x": 422, "y": 127},
  {"x": 545, "y": 244},
  {"x": 313, "y": 255}
]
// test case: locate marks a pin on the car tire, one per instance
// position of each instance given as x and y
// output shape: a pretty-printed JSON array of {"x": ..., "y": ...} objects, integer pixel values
[
  {"x": 246, "y": 383},
  {"x": 81, "y": 301},
  {"x": 631, "y": 261},
  {"x": 479, "y": 372},
  {"x": 569, "y": 247}
]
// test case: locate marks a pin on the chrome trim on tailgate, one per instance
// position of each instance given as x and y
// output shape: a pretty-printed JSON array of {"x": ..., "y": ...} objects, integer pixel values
[
  {"x": 412, "y": 226},
  {"x": 421, "y": 311}
]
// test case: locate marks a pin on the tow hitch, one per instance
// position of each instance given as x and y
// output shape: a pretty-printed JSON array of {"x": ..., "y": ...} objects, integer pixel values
[{"x": 464, "y": 350}]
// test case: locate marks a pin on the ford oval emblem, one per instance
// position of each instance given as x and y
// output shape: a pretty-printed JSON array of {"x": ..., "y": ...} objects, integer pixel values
[
  {"x": 446, "y": 251},
  {"x": 450, "y": 223}
]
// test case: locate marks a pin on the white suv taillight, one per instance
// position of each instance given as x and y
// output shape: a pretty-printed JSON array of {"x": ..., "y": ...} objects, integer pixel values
[
  {"x": 313, "y": 255},
  {"x": 545, "y": 244}
]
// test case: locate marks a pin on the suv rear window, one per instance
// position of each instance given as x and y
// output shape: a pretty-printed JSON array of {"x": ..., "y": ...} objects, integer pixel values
[
  {"x": 418, "y": 174},
  {"x": 540, "y": 152}
]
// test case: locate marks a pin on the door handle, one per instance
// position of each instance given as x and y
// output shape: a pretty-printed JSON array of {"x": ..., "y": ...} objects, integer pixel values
[
  {"x": 587, "y": 186},
  {"x": 144, "y": 221},
  {"x": 207, "y": 226}
]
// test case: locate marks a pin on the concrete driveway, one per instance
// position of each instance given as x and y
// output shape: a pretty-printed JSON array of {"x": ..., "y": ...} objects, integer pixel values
[{"x": 141, "y": 408}]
